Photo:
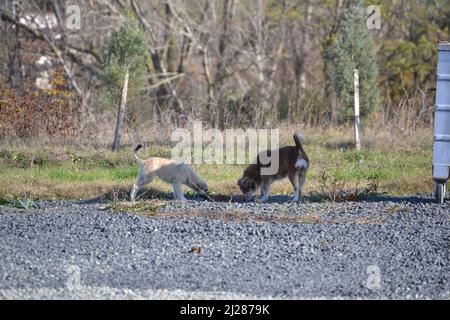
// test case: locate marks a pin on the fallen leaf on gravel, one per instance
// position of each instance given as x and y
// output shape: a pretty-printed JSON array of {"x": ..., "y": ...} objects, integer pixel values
[{"x": 195, "y": 250}]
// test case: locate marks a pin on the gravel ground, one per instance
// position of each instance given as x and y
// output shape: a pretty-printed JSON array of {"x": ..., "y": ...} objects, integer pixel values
[{"x": 378, "y": 248}]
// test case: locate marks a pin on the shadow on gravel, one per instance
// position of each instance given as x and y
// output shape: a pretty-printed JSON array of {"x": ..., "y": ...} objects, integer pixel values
[
  {"x": 149, "y": 193},
  {"x": 123, "y": 194},
  {"x": 399, "y": 199},
  {"x": 320, "y": 198},
  {"x": 376, "y": 198}
]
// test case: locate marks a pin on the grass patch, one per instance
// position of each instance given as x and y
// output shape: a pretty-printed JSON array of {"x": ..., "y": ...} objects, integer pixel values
[
  {"x": 18, "y": 203},
  {"x": 143, "y": 207},
  {"x": 23, "y": 203},
  {"x": 397, "y": 165}
]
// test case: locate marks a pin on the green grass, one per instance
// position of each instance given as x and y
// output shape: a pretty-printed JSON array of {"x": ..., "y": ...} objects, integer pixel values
[
  {"x": 86, "y": 173},
  {"x": 71, "y": 173},
  {"x": 143, "y": 207}
]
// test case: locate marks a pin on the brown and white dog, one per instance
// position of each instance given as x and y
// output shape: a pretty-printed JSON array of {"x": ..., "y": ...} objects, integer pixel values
[
  {"x": 293, "y": 162},
  {"x": 171, "y": 171}
]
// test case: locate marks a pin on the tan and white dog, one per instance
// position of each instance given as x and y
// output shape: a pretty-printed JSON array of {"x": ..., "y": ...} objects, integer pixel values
[
  {"x": 293, "y": 163},
  {"x": 171, "y": 171}
]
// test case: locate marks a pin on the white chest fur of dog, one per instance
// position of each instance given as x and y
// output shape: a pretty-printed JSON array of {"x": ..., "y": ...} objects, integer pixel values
[{"x": 171, "y": 171}]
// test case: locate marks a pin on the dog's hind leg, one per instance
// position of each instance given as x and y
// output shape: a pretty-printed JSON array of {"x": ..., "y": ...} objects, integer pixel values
[
  {"x": 301, "y": 183},
  {"x": 133, "y": 192},
  {"x": 295, "y": 181},
  {"x": 178, "y": 191}
]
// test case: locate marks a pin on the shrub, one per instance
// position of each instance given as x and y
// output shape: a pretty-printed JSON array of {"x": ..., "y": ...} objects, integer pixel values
[{"x": 53, "y": 112}]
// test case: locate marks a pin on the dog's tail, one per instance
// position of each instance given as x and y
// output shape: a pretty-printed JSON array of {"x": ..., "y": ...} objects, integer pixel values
[
  {"x": 298, "y": 143},
  {"x": 135, "y": 150}
]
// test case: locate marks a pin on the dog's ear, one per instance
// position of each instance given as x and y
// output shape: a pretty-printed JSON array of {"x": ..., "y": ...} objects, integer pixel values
[
  {"x": 200, "y": 186},
  {"x": 245, "y": 183},
  {"x": 203, "y": 186},
  {"x": 239, "y": 183}
]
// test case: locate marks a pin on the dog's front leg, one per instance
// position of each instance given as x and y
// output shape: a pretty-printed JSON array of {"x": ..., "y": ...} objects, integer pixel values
[
  {"x": 265, "y": 190},
  {"x": 178, "y": 191}
]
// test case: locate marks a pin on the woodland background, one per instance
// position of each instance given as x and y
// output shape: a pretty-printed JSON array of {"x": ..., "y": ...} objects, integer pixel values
[{"x": 230, "y": 63}]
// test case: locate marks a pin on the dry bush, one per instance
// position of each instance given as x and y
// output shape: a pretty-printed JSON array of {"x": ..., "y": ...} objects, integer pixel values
[
  {"x": 332, "y": 188},
  {"x": 414, "y": 111},
  {"x": 31, "y": 114},
  {"x": 337, "y": 190}
]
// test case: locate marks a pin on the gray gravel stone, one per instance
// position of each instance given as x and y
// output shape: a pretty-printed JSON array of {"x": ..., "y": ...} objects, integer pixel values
[{"x": 382, "y": 247}]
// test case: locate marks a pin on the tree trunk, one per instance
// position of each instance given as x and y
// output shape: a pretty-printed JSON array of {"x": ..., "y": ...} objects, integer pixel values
[
  {"x": 228, "y": 11},
  {"x": 332, "y": 99},
  {"x": 304, "y": 48},
  {"x": 121, "y": 114},
  {"x": 301, "y": 51}
]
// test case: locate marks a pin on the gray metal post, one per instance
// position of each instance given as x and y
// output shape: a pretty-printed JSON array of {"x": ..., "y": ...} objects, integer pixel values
[{"x": 441, "y": 153}]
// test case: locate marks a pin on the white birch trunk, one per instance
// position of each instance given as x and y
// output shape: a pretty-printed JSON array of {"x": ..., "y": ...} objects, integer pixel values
[{"x": 357, "y": 118}]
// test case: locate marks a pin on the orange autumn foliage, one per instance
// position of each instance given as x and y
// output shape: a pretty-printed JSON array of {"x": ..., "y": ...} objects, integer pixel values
[{"x": 53, "y": 112}]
